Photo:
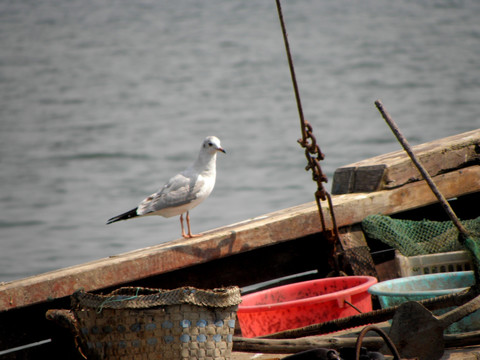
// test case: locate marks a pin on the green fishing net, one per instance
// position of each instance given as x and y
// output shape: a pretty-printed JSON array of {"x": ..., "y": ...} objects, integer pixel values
[
  {"x": 419, "y": 237},
  {"x": 425, "y": 237}
]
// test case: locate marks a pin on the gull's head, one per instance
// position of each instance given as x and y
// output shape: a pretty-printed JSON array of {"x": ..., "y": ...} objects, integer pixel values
[{"x": 211, "y": 145}]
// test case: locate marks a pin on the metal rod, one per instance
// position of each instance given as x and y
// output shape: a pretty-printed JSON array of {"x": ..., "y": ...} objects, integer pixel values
[
  {"x": 384, "y": 336},
  {"x": 423, "y": 171},
  {"x": 24, "y": 347}
]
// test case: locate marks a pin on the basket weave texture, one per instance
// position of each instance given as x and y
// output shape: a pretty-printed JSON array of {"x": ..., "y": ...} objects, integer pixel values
[{"x": 142, "y": 323}]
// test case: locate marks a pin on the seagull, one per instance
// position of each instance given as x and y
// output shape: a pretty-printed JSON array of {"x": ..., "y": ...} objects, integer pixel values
[{"x": 184, "y": 191}]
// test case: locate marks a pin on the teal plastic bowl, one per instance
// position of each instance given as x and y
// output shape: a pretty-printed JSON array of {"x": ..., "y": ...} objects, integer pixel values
[{"x": 415, "y": 288}]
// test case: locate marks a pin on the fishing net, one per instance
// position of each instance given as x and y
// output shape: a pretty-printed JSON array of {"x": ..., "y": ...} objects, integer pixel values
[
  {"x": 418, "y": 237},
  {"x": 425, "y": 237}
]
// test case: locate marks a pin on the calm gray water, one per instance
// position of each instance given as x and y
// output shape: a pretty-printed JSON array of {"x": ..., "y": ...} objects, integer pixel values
[{"x": 102, "y": 101}]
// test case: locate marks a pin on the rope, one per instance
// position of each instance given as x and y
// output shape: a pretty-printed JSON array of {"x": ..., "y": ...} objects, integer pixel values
[{"x": 141, "y": 298}]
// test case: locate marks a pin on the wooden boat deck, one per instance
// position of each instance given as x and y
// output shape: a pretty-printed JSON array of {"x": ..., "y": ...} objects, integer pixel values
[
  {"x": 278, "y": 244},
  {"x": 469, "y": 353}
]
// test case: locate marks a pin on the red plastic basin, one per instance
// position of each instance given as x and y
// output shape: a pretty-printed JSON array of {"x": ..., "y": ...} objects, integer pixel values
[{"x": 304, "y": 303}]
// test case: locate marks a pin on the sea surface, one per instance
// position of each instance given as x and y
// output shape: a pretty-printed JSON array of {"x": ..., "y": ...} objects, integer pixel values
[{"x": 101, "y": 102}]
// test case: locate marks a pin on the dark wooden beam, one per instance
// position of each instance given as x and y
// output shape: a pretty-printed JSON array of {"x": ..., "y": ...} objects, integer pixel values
[{"x": 396, "y": 169}]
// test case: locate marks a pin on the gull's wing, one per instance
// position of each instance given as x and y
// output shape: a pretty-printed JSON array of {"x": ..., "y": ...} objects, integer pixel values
[{"x": 179, "y": 190}]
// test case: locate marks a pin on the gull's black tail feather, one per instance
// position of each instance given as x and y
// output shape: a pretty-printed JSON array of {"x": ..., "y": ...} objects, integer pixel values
[{"x": 125, "y": 216}]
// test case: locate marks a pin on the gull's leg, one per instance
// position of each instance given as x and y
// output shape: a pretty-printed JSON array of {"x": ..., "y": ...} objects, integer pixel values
[
  {"x": 190, "y": 235},
  {"x": 181, "y": 224}
]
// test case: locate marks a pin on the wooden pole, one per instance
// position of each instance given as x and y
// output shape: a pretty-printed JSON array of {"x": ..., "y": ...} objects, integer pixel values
[
  {"x": 290, "y": 346},
  {"x": 406, "y": 146}
]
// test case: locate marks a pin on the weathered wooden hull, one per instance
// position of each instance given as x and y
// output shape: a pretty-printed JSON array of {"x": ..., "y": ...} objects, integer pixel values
[{"x": 278, "y": 244}]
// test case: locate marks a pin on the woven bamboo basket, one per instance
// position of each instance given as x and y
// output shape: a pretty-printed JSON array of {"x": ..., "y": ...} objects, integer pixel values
[{"x": 141, "y": 323}]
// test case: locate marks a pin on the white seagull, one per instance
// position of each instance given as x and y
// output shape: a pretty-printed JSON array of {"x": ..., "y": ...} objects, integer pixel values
[{"x": 184, "y": 191}]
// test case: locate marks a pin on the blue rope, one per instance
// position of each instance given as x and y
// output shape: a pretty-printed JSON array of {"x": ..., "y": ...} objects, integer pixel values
[{"x": 117, "y": 298}]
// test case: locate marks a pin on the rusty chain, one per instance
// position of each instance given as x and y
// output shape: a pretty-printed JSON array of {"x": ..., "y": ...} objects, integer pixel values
[{"x": 312, "y": 151}]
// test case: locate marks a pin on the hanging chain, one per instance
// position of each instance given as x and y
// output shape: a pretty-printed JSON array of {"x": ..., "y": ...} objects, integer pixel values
[{"x": 309, "y": 142}]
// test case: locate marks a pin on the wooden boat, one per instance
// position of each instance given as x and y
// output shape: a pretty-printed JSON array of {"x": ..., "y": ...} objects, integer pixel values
[{"x": 280, "y": 244}]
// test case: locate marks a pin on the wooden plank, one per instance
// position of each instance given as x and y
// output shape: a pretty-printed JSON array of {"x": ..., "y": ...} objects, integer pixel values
[
  {"x": 470, "y": 353},
  {"x": 356, "y": 250},
  {"x": 352, "y": 237},
  {"x": 396, "y": 169},
  {"x": 280, "y": 226},
  {"x": 256, "y": 356},
  {"x": 252, "y": 267}
]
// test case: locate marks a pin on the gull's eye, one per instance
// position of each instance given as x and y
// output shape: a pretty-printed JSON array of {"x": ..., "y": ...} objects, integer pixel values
[{"x": 210, "y": 144}]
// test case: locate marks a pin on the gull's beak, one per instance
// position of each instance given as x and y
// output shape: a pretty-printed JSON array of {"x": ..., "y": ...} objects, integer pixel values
[{"x": 222, "y": 150}]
